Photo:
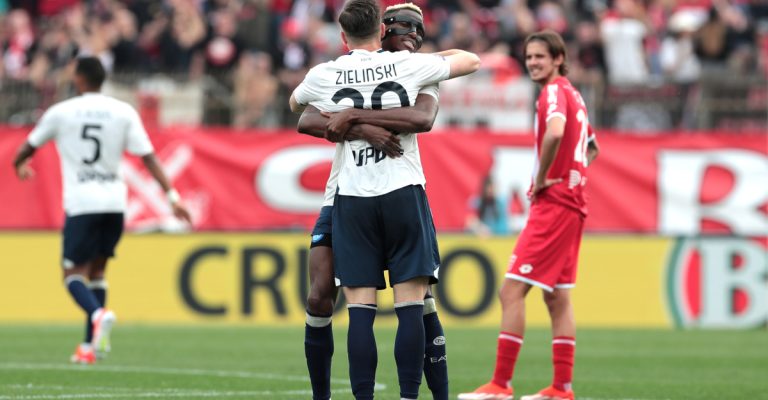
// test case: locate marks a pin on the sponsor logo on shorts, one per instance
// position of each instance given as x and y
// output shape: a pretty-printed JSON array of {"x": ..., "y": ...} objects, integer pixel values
[
  {"x": 435, "y": 360},
  {"x": 574, "y": 179},
  {"x": 439, "y": 341},
  {"x": 526, "y": 268},
  {"x": 318, "y": 237}
]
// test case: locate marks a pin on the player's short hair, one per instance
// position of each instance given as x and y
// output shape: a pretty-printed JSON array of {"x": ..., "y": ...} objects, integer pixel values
[
  {"x": 91, "y": 70},
  {"x": 555, "y": 45},
  {"x": 360, "y": 19},
  {"x": 402, "y": 6}
]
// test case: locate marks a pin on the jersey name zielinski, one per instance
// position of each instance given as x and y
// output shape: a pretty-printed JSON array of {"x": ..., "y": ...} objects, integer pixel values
[
  {"x": 373, "y": 80},
  {"x": 91, "y": 133}
]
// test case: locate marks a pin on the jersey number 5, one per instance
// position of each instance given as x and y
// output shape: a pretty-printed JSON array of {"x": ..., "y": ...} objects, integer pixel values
[
  {"x": 86, "y": 136},
  {"x": 359, "y": 102}
]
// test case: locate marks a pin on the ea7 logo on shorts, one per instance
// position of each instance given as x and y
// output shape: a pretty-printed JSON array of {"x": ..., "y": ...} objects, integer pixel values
[
  {"x": 318, "y": 237},
  {"x": 526, "y": 268},
  {"x": 439, "y": 341}
]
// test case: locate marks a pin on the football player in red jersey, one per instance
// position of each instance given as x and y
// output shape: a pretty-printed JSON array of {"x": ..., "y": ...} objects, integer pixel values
[{"x": 547, "y": 251}]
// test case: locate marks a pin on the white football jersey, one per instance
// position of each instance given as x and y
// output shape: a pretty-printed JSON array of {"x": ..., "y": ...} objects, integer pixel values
[
  {"x": 333, "y": 178},
  {"x": 91, "y": 133},
  {"x": 373, "y": 80}
]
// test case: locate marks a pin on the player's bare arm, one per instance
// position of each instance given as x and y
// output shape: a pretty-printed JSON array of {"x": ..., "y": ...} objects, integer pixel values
[
  {"x": 378, "y": 137},
  {"x": 418, "y": 118},
  {"x": 549, "y": 146},
  {"x": 449, "y": 52},
  {"x": 295, "y": 106},
  {"x": 593, "y": 150},
  {"x": 313, "y": 123},
  {"x": 21, "y": 162},
  {"x": 463, "y": 63},
  {"x": 179, "y": 211}
]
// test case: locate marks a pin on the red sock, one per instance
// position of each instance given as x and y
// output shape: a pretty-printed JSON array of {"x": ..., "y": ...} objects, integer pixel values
[
  {"x": 563, "y": 350},
  {"x": 506, "y": 355}
]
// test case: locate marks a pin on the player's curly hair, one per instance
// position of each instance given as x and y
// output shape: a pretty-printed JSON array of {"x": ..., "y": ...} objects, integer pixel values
[
  {"x": 402, "y": 6},
  {"x": 360, "y": 19},
  {"x": 555, "y": 45}
]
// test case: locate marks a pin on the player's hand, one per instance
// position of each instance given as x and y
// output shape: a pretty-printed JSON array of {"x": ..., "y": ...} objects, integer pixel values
[
  {"x": 24, "y": 171},
  {"x": 539, "y": 186},
  {"x": 181, "y": 212},
  {"x": 338, "y": 124},
  {"x": 382, "y": 139}
]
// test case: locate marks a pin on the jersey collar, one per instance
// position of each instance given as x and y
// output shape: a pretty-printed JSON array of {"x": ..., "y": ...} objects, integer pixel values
[{"x": 361, "y": 50}]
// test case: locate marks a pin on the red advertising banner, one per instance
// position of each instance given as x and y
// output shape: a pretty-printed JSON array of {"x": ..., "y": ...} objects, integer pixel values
[{"x": 672, "y": 183}]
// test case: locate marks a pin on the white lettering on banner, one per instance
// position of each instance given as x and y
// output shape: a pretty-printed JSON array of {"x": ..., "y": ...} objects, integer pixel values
[
  {"x": 278, "y": 180},
  {"x": 511, "y": 174},
  {"x": 477, "y": 100},
  {"x": 149, "y": 196},
  {"x": 720, "y": 279},
  {"x": 680, "y": 181}
]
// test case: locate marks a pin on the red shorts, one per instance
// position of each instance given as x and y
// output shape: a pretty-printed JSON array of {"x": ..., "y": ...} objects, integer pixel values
[{"x": 547, "y": 252}]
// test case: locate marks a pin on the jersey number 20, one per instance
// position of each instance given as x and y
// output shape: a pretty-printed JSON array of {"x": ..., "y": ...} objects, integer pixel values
[
  {"x": 580, "y": 155},
  {"x": 359, "y": 102}
]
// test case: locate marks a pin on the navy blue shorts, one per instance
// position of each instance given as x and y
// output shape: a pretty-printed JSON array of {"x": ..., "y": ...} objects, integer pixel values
[
  {"x": 89, "y": 236},
  {"x": 393, "y": 231},
  {"x": 321, "y": 233}
]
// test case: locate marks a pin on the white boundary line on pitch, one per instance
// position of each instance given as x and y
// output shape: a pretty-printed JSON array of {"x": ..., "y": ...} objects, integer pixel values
[
  {"x": 614, "y": 398},
  {"x": 160, "y": 394},
  {"x": 170, "y": 371}
]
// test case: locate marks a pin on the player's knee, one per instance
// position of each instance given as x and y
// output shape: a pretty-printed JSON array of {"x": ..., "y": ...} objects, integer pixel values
[
  {"x": 72, "y": 277},
  {"x": 510, "y": 297},
  {"x": 320, "y": 304},
  {"x": 80, "y": 271},
  {"x": 554, "y": 302}
]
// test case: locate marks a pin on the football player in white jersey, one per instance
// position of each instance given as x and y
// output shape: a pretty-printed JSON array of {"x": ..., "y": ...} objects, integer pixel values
[
  {"x": 380, "y": 217},
  {"x": 404, "y": 26},
  {"x": 91, "y": 132}
]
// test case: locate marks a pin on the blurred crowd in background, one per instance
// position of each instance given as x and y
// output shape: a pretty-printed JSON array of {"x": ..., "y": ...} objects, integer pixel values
[{"x": 248, "y": 55}]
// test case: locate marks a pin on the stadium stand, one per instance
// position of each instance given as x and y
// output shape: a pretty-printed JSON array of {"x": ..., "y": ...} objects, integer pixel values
[{"x": 641, "y": 64}]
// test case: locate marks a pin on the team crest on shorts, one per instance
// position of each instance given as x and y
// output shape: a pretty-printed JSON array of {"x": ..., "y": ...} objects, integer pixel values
[
  {"x": 317, "y": 238},
  {"x": 526, "y": 268}
]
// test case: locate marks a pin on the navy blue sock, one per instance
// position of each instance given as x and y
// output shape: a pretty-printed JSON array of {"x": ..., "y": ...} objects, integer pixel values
[
  {"x": 99, "y": 290},
  {"x": 435, "y": 360},
  {"x": 318, "y": 349},
  {"x": 409, "y": 347},
  {"x": 82, "y": 295},
  {"x": 361, "y": 349}
]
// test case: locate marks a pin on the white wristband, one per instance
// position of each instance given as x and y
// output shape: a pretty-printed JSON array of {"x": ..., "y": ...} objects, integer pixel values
[{"x": 173, "y": 196}]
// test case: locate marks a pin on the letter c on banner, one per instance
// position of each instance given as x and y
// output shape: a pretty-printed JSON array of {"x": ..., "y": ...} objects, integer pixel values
[
  {"x": 278, "y": 180},
  {"x": 186, "y": 275}
]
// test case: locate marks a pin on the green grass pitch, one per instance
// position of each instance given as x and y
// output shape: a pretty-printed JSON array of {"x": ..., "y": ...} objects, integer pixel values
[{"x": 240, "y": 362}]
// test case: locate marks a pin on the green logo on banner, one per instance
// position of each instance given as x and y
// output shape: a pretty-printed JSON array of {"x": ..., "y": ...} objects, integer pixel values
[{"x": 718, "y": 282}]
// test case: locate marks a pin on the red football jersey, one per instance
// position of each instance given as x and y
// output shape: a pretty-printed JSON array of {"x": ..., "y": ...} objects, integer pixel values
[{"x": 561, "y": 100}]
